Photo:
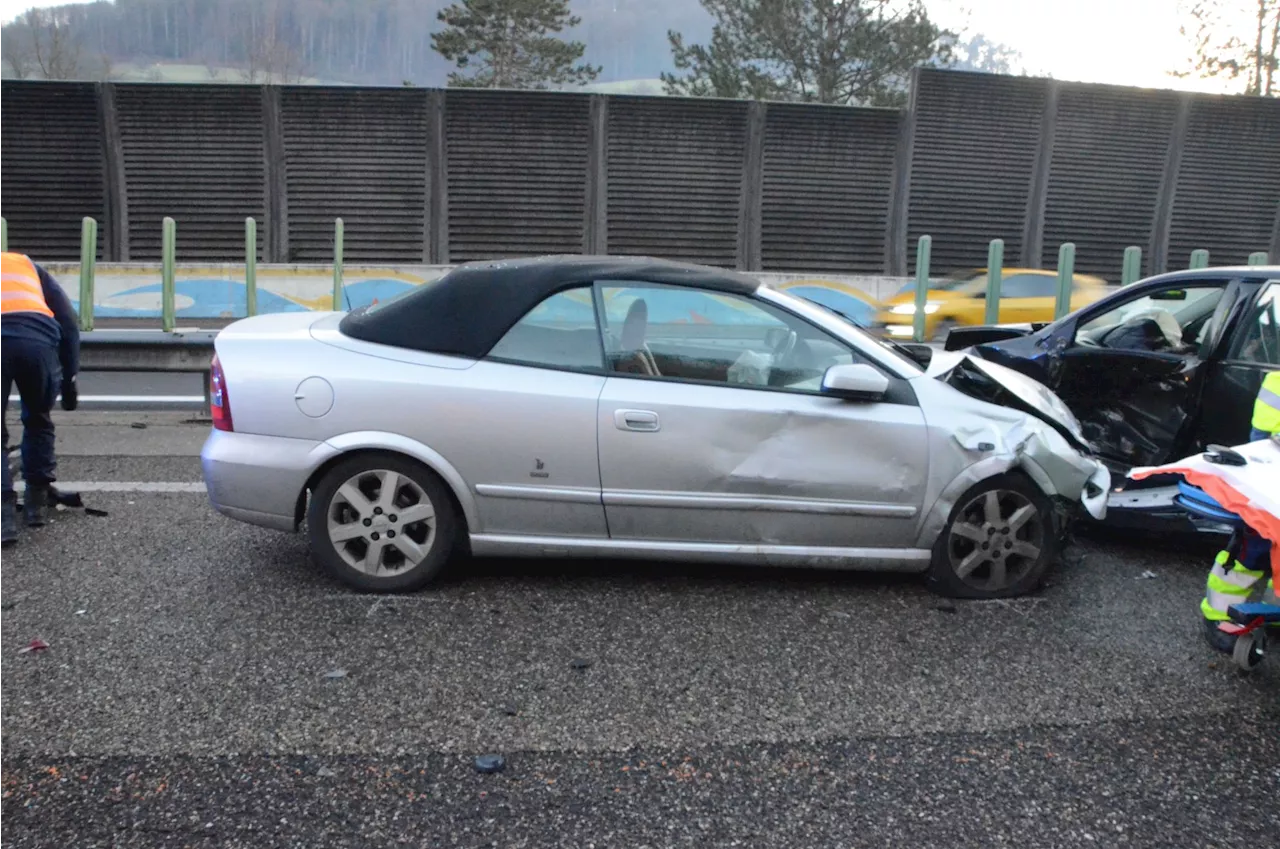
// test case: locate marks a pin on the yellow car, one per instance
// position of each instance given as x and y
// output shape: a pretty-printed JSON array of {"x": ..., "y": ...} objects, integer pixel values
[
  {"x": 960, "y": 299},
  {"x": 844, "y": 298}
]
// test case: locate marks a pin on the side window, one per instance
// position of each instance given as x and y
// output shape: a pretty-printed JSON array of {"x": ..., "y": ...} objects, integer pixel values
[
  {"x": 1260, "y": 341},
  {"x": 1170, "y": 320},
  {"x": 1029, "y": 286},
  {"x": 680, "y": 333},
  {"x": 558, "y": 333}
]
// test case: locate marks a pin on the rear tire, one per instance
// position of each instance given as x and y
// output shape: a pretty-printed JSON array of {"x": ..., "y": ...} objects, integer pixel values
[
  {"x": 999, "y": 541},
  {"x": 382, "y": 523}
]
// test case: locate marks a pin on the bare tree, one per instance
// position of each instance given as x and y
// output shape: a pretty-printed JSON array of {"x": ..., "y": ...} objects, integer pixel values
[
  {"x": 18, "y": 56},
  {"x": 270, "y": 57},
  {"x": 1232, "y": 40},
  {"x": 57, "y": 51}
]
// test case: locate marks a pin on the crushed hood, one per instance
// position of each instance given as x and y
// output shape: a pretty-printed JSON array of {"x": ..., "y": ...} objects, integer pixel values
[{"x": 997, "y": 384}]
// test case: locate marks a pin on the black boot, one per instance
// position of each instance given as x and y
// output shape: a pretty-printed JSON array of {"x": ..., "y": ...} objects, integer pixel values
[
  {"x": 9, "y": 521},
  {"x": 36, "y": 506}
]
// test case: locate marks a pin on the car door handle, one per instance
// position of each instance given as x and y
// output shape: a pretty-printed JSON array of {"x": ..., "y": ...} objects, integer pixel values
[{"x": 644, "y": 420}]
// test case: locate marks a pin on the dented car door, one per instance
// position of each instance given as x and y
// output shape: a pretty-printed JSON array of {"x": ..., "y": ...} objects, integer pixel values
[{"x": 716, "y": 430}]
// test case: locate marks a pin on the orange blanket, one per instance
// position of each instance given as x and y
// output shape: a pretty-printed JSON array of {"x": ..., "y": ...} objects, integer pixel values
[{"x": 1251, "y": 491}]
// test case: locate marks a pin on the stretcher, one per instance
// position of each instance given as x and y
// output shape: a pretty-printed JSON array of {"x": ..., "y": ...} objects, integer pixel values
[{"x": 1239, "y": 487}]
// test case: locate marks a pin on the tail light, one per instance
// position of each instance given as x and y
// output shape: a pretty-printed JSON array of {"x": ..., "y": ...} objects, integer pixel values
[{"x": 219, "y": 401}]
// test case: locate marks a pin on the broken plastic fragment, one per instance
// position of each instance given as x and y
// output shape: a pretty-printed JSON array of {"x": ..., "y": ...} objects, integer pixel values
[
  {"x": 1147, "y": 575},
  {"x": 489, "y": 764},
  {"x": 579, "y": 663},
  {"x": 36, "y": 644},
  {"x": 94, "y": 511},
  {"x": 334, "y": 674}
]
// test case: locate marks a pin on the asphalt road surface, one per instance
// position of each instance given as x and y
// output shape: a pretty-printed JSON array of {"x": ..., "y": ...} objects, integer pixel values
[{"x": 204, "y": 686}]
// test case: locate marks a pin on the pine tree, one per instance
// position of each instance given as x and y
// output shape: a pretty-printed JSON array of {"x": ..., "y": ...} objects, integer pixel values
[
  {"x": 512, "y": 44},
  {"x": 824, "y": 51}
]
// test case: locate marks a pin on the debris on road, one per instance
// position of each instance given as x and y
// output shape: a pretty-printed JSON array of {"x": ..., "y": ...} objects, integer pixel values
[
  {"x": 82, "y": 611},
  {"x": 490, "y": 764},
  {"x": 94, "y": 511},
  {"x": 35, "y": 645},
  {"x": 1147, "y": 575},
  {"x": 335, "y": 674},
  {"x": 580, "y": 664},
  {"x": 139, "y": 425},
  {"x": 945, "y": 607},
  {"x": 509, "y": 710},
  {"x": 325, "y": 772},
  {"x": 61, "y": 498}
]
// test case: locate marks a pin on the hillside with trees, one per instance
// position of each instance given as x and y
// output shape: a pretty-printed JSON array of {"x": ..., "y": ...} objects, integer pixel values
[{"x": 372, "y": 42}]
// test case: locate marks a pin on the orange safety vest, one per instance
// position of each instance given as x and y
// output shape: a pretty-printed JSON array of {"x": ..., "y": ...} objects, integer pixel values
[{"x": 22, "y": 291}]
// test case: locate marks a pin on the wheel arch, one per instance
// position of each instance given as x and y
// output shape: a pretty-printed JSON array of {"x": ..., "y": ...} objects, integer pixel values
[
  {"x": 376, "y": 442},
  {"x": 990, "y": 467}
]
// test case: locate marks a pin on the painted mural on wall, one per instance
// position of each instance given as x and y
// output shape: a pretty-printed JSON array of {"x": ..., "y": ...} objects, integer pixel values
[{"x": 132, "y": 290}]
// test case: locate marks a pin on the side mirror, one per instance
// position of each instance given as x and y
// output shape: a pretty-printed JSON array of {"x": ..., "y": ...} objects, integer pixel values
[
  {"x": 856, "y": 382},
  {"x": 921, "y": 353}
]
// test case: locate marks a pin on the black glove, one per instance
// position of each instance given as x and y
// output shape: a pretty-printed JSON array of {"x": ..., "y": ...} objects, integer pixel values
[{"x": 70, "y": 394}]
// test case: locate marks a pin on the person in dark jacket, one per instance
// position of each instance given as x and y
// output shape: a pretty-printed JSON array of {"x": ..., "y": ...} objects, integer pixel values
[{"x": 40, "y": 343}]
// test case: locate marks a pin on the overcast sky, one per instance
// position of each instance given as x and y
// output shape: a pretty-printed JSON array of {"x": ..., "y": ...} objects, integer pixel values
[{"x": 1126, "y": 42}]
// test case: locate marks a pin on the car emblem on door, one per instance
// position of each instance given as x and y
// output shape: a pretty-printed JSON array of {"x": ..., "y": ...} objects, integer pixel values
[{"x": 538, "y": 472}]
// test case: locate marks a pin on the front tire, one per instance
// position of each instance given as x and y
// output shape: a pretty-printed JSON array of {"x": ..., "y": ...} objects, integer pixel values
[
  {"x": 382, "y": 523},
  {"x": 998, "y": 543}
]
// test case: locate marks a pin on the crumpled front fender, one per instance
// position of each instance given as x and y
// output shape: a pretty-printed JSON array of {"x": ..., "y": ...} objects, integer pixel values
[{"x": 985, "y": 440}]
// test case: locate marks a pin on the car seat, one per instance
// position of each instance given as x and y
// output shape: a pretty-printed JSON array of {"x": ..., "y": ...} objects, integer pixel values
[{"x": 635, "y": 356}]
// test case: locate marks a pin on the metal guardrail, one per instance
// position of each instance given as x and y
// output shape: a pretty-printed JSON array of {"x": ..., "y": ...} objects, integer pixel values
[
  {"x": 1130, "y": 272},
  {"x": 188, "y": 352}
]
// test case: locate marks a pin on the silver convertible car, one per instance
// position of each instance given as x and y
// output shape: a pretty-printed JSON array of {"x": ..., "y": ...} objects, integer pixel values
[{"x": 629, "y": 407}]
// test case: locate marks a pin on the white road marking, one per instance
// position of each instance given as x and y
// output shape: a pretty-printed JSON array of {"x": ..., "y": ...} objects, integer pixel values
[
  {"x": 143, "y": 399},
  {"x": 122, "y": 486}
]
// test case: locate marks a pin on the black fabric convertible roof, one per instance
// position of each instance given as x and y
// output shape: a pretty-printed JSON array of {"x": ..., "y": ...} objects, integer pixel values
[{"x": 466, "y": 311}]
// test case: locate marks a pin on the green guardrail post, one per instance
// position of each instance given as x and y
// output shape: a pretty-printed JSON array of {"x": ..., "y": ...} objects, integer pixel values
[
  {"x": 1258, "y": 258},
  {"x": 1066, "y": 273},
  {"x": 1132, "y": 269},
  {"x": 923, "y": 249},
  {"x": 1199, "y": 258},
  {"x": 337, "y": 264},
  {"x": 995, "y": 275},
  {"x": 251, "y": 266},
  {"x": 4, "y": 235},
  {"x": 88, "y": 259},
  {"x": 168, "y": 246}
]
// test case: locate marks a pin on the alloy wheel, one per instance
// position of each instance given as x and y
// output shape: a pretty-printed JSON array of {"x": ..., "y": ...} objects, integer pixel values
[
  {"x": 381, "y": 522},
  {"x": 996, "y": 540}
]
